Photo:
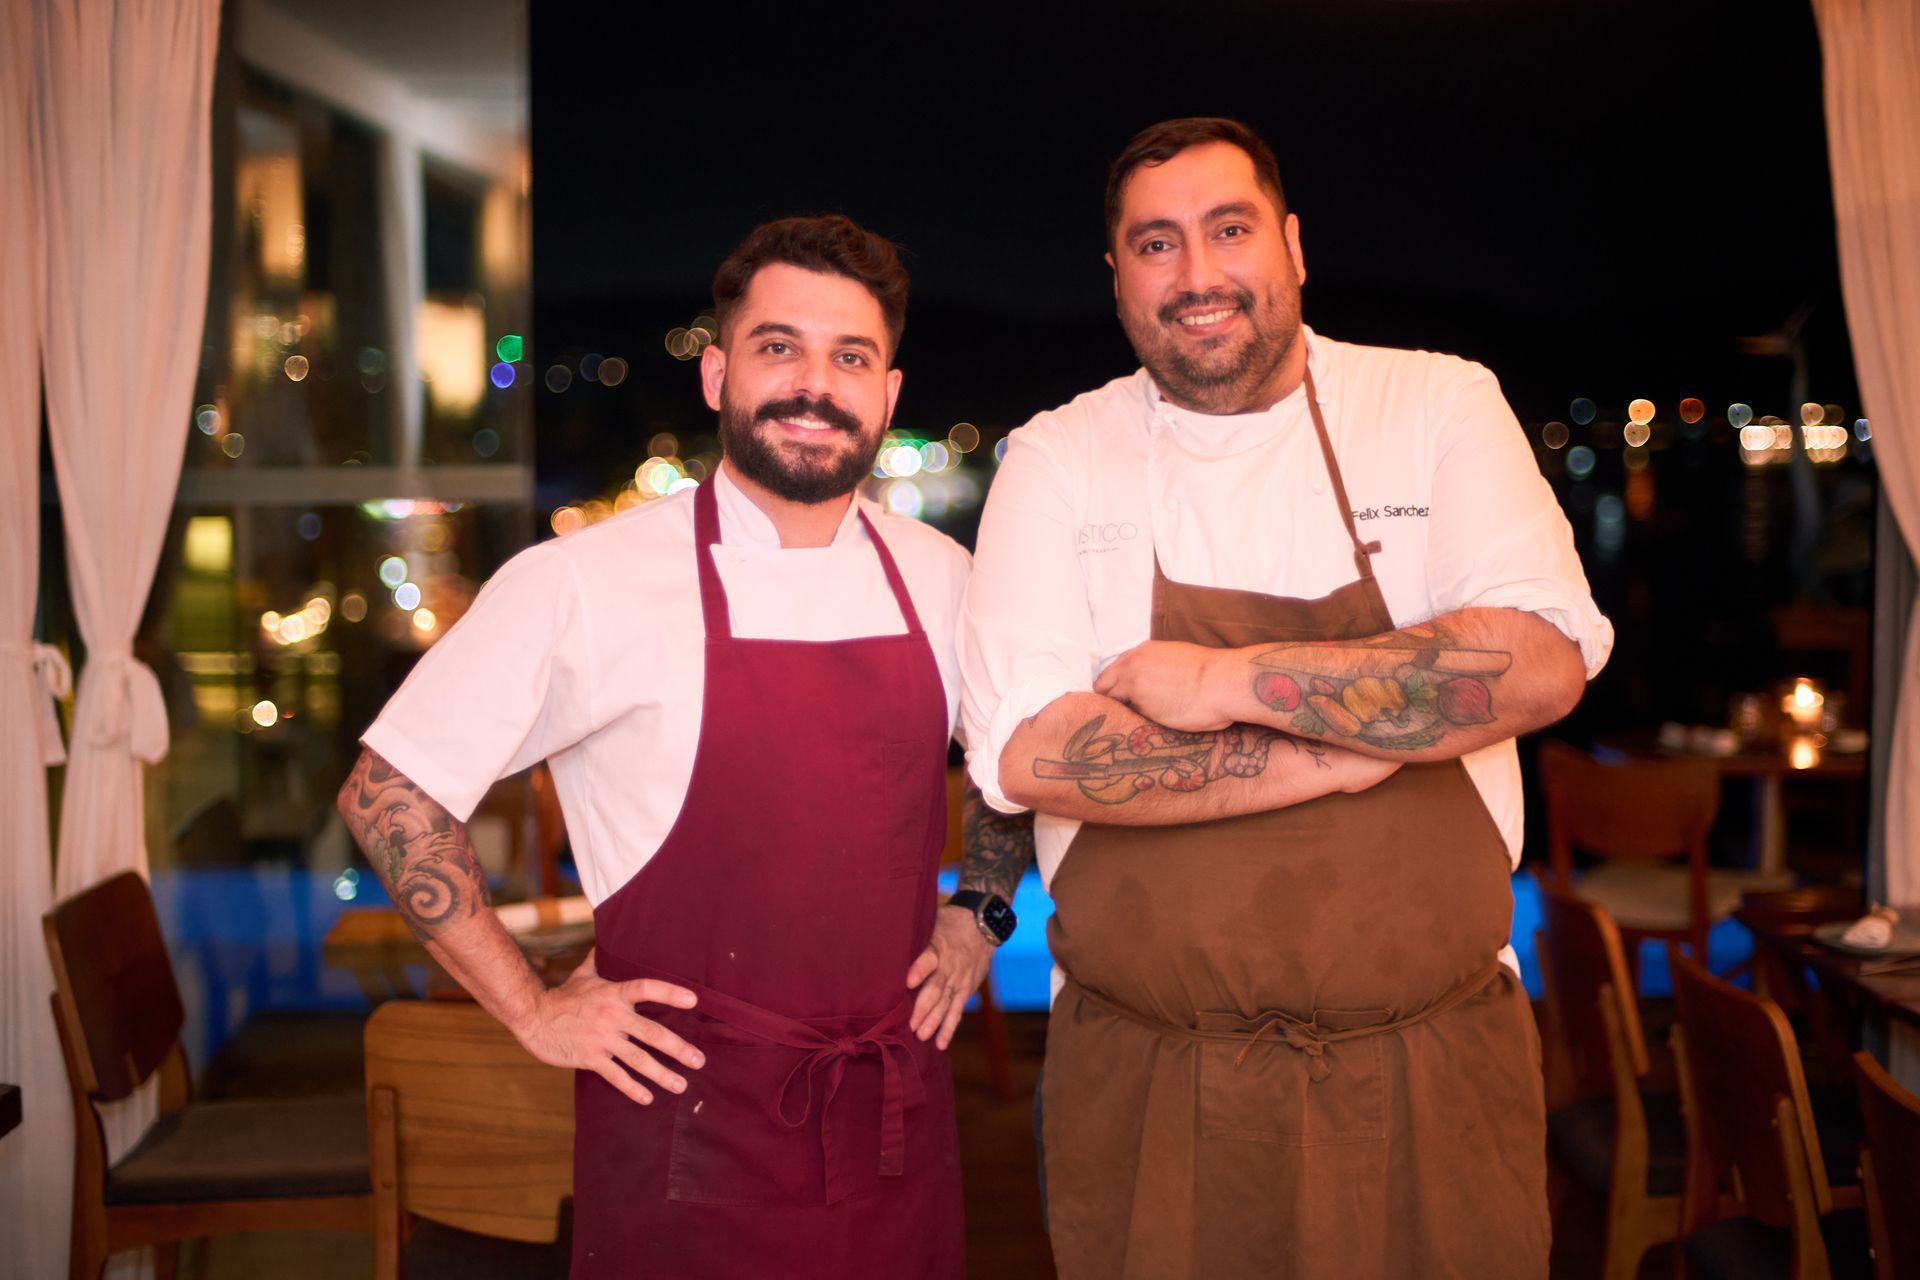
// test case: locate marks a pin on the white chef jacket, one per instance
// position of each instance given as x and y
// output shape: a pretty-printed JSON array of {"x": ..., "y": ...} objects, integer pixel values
[
  {"x": 1435, "y": 465},
  {"x": 588, "y": 652}
]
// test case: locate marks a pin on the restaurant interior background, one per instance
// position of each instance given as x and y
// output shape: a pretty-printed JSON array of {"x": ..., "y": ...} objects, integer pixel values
[{"x": 459, "y": 281}]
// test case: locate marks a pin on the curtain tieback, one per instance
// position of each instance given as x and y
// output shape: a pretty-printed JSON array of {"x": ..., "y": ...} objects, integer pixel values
[
  {"x": 55, "y": 678},
  {"x": 131, "y": 707}
]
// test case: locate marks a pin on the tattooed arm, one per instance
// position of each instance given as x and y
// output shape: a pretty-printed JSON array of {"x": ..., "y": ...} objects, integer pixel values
[
  {"x": 1088, "y": 756},
  {"x": 421, "y": 852},
  {"x": 1429, "y": 692},
  {"x": 998, "y": 846},
  {"x": 997, "y": 849}
]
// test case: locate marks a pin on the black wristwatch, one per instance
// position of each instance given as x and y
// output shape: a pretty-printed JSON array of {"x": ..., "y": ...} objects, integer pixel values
[{"x": 990, "y": 912}]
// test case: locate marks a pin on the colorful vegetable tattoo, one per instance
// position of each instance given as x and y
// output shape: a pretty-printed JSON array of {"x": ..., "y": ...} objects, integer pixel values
[
  {"x": 1401, "y": 691},
  {"x": 418, "y": 848},
  {"x": 1113, "y": 768}
]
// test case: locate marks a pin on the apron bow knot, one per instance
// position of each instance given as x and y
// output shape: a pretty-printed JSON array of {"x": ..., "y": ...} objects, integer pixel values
[
  {"x": 900, "y": 1089},
  {"x": 1295, "y": 1035}
]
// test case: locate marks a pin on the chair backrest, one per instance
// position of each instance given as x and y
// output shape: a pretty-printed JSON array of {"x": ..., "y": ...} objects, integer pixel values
[
  {"x": 113, "y": 984},
  {"x": 1838, "y": 639},
  {"x": 467, "y": 1127},
  {"x": 1893, "y": 1143},
  {"x": 1740, "y": 1059},
  {"x": 1634, "y": 809},
  {"x": 1586, "y": 964}
]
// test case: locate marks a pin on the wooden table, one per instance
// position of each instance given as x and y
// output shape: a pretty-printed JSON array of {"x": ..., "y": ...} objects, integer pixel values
[
  {"x": 1893, "y": 995},
  {"x": 378, "y": 947},
  {"x": 1769, "y": 771}
]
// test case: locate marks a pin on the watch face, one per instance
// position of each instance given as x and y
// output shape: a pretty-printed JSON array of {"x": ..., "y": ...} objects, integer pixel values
[{"x": 998, "y": 917}]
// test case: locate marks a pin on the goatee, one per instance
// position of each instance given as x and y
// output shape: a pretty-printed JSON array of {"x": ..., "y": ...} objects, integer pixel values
[
  {"x": 797, "y": 471},
  {"x": 1217, "y": 378}
]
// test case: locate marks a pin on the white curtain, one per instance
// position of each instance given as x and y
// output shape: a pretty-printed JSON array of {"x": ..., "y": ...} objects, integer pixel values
[
  {"x": 122, "y": 95},
  {"x": 34, "y": 1159},
  {"x": 1870, "y": 51}
]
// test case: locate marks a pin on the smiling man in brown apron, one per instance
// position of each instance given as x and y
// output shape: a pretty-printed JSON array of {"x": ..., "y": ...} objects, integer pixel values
[
  {"x": 1214, "y": 605},
  {"x": 746, "y": 693}
]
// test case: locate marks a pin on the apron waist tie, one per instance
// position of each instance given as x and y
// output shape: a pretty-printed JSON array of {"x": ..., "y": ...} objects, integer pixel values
[
  {"x": 886, "y": 1037},
  {"x": 1303, "y": 1037}
]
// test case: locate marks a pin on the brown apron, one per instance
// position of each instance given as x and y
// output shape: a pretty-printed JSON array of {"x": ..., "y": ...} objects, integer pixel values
[{"x": 1285, "y": 1046}]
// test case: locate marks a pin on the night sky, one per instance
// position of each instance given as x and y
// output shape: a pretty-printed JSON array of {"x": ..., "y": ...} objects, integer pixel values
[{"x": 1594, "y": 199}]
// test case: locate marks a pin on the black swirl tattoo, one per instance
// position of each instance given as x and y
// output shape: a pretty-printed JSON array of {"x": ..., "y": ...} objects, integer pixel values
[
  {"x": 998, "y": 846},
  {"x": 417, "y": 848}
]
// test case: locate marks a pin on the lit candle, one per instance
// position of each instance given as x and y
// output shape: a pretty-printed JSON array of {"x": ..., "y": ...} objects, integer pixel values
[{"x": 1804, "y": 704}]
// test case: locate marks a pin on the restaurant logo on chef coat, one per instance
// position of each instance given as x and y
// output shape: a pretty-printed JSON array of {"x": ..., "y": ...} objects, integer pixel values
[{"x": 1097, "y": 537}]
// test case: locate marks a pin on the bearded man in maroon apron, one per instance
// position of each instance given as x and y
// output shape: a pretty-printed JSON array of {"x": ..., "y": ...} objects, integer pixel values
[
  {"x": 746, "y": 694},
  {"x": 1252, "y": 631}
]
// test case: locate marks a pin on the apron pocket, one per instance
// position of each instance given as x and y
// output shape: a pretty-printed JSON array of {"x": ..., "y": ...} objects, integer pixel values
[
  {"x": 730, "y": 1146},
  {"x": 1270, "y": 1097},
  {"x": 899, "y": 768}
]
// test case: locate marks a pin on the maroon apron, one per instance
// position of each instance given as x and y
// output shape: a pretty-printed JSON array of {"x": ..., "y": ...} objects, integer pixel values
[{"x": 793, "y": 892}]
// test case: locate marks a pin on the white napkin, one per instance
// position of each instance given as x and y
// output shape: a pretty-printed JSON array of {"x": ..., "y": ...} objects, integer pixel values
[
  {"x": 519, "y": 917},
  {"x": 1873, "y": 931}
]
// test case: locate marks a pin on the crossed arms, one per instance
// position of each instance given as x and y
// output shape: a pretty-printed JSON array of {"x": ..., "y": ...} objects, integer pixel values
[{"x": 1178, "y": 732}]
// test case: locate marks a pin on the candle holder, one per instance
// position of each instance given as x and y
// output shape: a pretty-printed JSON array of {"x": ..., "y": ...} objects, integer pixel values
[{"x": 1804, "y": 704}]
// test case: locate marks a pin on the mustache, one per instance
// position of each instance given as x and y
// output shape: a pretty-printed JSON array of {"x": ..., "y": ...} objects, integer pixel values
[
  {"x": 806, "y": 406},
  {"x": 1216, "y": 300}
]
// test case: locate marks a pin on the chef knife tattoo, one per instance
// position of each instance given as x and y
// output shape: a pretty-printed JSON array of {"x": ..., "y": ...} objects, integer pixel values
[
  {"x": 1403, "y": 690},
  {"x": 998, "y": 846},
  {"x": 418, "y": 849},
  {"x": 1113, "y": 768}
]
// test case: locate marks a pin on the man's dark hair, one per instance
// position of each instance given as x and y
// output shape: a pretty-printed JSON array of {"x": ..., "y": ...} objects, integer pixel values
[
  {"x": 1158, "y": 143},
  {"x": 829, "y": 243}
]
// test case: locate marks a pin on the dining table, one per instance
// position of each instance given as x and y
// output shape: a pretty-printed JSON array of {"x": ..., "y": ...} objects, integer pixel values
[{"x": 1882, "y": 986}]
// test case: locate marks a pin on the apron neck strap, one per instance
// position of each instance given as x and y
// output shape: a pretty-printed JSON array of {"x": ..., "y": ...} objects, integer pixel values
[
  {"x": 713, "y": 594},
  {"x": 899, "y": 584},
  {"x": 706, "y": 533},
  {"x": 1362, "y": 551}
]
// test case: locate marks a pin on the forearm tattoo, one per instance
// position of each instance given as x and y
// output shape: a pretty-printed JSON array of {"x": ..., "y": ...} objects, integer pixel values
[
  {"x": 1404, "y": 690},
  {"x": 418, "y": 848},
  {"x": 1113, "y": 768},
  {"x": 998, "y": 846}
]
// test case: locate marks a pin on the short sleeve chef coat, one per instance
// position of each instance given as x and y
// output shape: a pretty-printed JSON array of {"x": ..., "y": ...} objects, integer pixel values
[
  {"x": 1435, "y": 464},
  {"x": 588, "y": 652}
]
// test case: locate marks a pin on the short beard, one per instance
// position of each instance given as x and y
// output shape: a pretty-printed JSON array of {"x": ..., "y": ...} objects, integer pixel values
[
  {"x": 1232, "y": 381},
  {"x": 796, "y": 471}
]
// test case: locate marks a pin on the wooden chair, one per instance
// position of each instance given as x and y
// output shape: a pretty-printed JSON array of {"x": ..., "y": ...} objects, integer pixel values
[
  {"x": 1638, "y": 816},
  {"x": 1607, "y": 1132},
  {"x": 1759, "y": 1200},
  {"x": 1825, "y": 1019},
  {"x": 993, "y": 1023},
  {"x": 1890, "y": 1170},
  {"x": 472, "y": 1141},
  {"x": 204, "y": 1168}
]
